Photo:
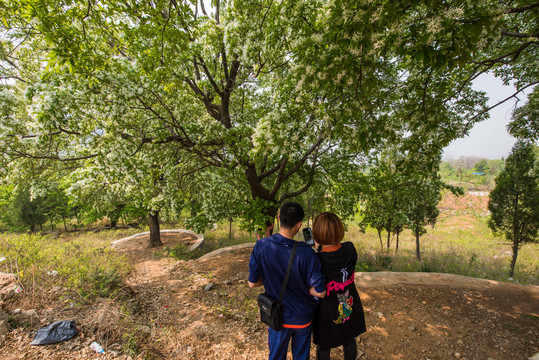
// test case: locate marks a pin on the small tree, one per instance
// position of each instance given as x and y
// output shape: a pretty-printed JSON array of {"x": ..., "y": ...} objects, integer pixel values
[
  {"x": 424, "y": 198},
  {"x": 514, "y": 202},
  {"x": 386, "y": 199},
  {"x": 27, "y": 210}
]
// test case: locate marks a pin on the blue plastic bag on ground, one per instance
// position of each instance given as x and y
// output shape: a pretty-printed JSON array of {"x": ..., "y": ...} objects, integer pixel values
[{"x": 55, "y": 332}]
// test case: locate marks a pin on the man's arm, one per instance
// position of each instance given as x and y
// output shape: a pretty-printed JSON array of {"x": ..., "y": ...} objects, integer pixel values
[
  {"x": 258, "y": 283},
  {"x": 313, "y": 292}
]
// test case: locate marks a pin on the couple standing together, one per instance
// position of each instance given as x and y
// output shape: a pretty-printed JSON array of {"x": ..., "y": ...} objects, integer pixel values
[{"x": 320, "y": 296}]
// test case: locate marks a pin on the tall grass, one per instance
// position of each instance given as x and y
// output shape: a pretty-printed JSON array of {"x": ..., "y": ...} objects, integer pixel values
[
  {"x": 80, "y": 264},
  {"x": 461, "y": 243}
]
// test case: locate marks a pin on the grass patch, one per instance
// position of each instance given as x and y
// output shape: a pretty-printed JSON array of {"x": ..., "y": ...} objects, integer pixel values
[
  {"x": 179, "y": 252},
  {"x": 89, "y": 268}
]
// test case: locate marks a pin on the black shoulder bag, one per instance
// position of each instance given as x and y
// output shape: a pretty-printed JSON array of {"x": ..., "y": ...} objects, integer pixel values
[{"x": 270, "y": 309}]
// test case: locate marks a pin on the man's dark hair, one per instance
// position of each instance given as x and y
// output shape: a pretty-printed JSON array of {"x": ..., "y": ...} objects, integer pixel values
[{"x": 291, "y": 213}]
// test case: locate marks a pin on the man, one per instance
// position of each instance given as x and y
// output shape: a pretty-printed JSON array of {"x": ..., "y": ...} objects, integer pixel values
[{"x": 267, "y": 267}]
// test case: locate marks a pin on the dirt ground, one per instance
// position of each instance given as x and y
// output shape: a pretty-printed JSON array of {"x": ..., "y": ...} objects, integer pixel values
[{"x": 205, "y": 310}]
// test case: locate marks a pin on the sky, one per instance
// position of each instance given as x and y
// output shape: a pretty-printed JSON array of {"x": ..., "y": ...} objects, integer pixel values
[{"x": 489, "y": 139}]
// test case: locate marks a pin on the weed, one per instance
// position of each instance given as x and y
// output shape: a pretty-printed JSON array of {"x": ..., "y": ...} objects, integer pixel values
[
  {"x": 383, "y": 261},
  {"x": 179, "y": 252}
]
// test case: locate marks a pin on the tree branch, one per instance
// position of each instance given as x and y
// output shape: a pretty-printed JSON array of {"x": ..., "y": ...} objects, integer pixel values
[
  {"x": 203, "y": 8},
  {"x": 521, "y": 9},
  {"x": 210, "y": 78},
  {"x": 280, "y": 177},
  {"x": 304, "y": 158},
  {"x": 57, "y": 158},
  {"x": 499, "y": 103},
  {"x": 518, "y": 35},
  {"x": 514, "y": 54},
  {"x": 212, "y": 109}
]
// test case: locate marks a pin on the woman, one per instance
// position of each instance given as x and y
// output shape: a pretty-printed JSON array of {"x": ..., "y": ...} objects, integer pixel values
[{"x": 339, "y": 318}]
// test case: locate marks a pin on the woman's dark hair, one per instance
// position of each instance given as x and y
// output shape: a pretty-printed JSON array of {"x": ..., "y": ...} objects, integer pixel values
[
  {"x": 328, "y": 229},
  {"x": 291, "y": 213}
]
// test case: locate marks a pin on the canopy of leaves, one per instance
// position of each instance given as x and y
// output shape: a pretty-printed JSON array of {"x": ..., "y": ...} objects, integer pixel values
[
  {"x": 525, "y": 123},
  {"x": 264, "y": 95}
]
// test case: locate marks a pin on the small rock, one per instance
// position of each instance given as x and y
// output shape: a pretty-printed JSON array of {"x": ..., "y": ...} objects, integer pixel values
[
  {"x": 411, "y": 328},
  {"x": 460, "y": 342},
  {"x": 379, "y": 314},
  {"x": 457, "y": 355},
  {"x": 16, "y": 311},
  {"x": 208, "y": 287},
  {"x": 228, "y": 282}
]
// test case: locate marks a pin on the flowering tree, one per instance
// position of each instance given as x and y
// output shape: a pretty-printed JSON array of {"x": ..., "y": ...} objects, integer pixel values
[{"x": 264, "y": 91}]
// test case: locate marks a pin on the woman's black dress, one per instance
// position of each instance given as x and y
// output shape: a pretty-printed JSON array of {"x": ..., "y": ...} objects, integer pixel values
[{"x": 339, "y": 317}]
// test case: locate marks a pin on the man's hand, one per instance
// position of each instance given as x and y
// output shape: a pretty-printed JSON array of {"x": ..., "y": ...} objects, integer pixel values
[
  {"x": 256, "y": 284},
  {"x": 313, "y": 292}
]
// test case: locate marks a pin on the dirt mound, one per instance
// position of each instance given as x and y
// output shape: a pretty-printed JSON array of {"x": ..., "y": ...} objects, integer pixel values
[{"x": 168, "y": 239}]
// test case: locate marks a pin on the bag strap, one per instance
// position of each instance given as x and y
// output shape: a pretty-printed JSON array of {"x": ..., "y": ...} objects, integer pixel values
[{"x": 288, "y": 270}]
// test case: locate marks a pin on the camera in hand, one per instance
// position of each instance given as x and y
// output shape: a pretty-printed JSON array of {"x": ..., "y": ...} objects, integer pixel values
[{"x": 308, "y": 236}]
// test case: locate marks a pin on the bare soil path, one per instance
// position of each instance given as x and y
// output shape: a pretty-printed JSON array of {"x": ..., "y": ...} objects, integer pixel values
[{"x": 203, "y": 309}]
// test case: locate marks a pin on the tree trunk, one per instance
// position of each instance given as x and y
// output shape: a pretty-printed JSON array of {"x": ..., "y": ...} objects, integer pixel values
[
  {"x": 380, "y": 237},
  {"x": 388, "y": 229},
  {"x": 116, "y": 216},
  {"x": 193, "y": 208},
  {"x": 155, "y": 235},
  {"x": 516, "y": 236},
  {"x": 65, "y": 225},
  {"x": 514, "y": 258},
  {"x": 33, "y": 228},
  {"x": 230, "y": 228},
  {"x": 417, "y": 252},
  {"x": 397, "y": 244}
]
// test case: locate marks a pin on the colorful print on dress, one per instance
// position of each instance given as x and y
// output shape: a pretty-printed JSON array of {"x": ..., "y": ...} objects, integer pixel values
[{"x": 345, "y": 307}]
